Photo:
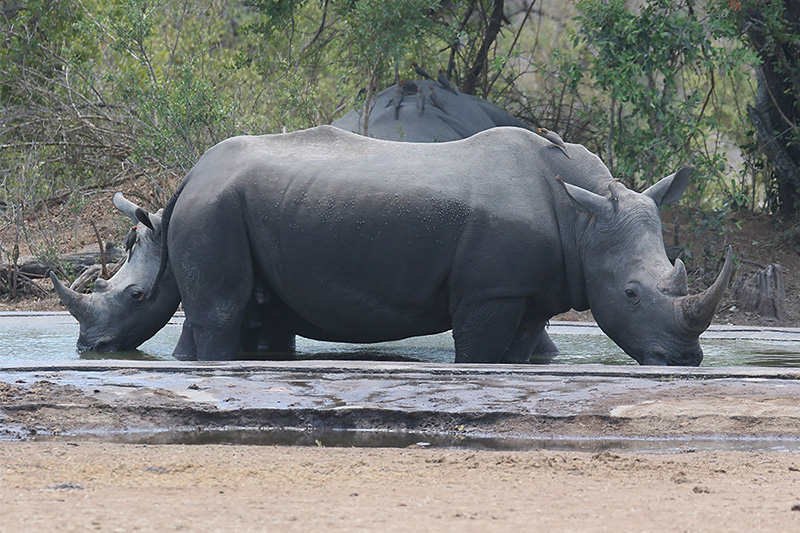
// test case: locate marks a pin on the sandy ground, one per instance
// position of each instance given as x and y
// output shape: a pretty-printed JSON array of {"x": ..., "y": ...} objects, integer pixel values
[{"x": 117, "y": 487}]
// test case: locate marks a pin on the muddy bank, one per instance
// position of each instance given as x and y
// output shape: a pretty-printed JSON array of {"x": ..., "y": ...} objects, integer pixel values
[{"x": 111, "y": 399}]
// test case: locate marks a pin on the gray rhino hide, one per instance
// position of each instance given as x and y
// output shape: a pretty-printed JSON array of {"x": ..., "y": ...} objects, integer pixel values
[{"x": 464, "y": 116}]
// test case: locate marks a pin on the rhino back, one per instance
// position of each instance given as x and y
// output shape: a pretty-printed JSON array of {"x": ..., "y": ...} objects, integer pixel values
[{"x": 463, "y": 115}]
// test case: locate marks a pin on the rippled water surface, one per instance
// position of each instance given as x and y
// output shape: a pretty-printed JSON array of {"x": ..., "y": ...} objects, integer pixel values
[{"x": 37, "y": 339}]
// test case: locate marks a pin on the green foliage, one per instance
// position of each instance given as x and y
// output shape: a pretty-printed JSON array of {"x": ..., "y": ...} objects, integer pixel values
[
  {"x": 34, "y": 40},
  {"x": 297, "y": 102},
  {"x": 661, "y": 77},
  {"x": 377, "y": 29},
  {"x": 179, "y": 111},
  {"x": 658, "y": 70},
  {"x": 274, "y": 14}
]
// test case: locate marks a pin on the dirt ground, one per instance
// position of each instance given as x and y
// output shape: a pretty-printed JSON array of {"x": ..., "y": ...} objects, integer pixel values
[{"x": 102, "y": 487}]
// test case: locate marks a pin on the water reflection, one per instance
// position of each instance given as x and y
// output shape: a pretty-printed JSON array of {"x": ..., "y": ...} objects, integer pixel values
[
  {"x": 37, "y": 339},
  {"x": 133, "y": 355}
]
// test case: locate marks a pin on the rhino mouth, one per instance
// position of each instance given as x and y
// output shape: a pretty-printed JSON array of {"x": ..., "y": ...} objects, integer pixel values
[
  {"x": 660, "y": 357},
  {"x": 96, "y": 345}
]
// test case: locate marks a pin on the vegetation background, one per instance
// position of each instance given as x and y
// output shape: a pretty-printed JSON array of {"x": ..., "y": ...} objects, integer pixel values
[{"x": 101, "y": 94}]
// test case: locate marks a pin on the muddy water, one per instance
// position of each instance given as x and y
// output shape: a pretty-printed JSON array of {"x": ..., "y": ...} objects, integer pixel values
[
  {"x": 396, "y": 439},
  {"x": 52, "y": 337}
]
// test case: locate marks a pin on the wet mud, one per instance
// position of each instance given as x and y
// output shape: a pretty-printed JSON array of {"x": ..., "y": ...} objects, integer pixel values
[{"x": 401, "y": 404}]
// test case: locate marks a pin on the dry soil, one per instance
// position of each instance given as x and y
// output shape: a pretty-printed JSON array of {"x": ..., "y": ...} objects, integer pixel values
[{"x": 117, "y": 487}]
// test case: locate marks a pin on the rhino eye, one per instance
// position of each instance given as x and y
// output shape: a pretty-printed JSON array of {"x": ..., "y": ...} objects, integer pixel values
[
  {"x": 631, "y": 292},
  {"x": 137, "y": 294}
]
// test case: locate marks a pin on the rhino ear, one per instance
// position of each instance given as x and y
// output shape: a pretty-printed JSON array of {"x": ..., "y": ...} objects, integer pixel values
[
  {"x": 125, "y": 206},
  {"x": 136, "y": 213},
  {"x": 587, "y": 201},
  {"x": 144, "y": 217},
  {"x": 669, "y": 189}
]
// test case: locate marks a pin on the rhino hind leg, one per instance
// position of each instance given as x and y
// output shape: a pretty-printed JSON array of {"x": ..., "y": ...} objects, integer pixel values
[
  {"x": 484, "y": 331},
  {"x": 185, "y": 350}
]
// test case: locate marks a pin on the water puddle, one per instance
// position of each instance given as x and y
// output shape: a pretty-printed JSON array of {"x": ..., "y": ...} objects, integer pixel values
[
  {"x": 51, "y": 338},
  {"x": 395, "y": 439}
]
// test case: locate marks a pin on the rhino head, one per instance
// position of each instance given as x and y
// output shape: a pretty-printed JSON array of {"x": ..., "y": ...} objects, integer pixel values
[
  {"x": 125, "y": 311},
  {"x": 637, "y": 297}
]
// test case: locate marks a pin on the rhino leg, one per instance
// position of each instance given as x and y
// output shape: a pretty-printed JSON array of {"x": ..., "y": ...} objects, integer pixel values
[
  {"x": 251, "y": 326},
  {"x": 218, "y": 338},
  {"x": 545, "y": 350},
  {"x": 216, "y": 313},
  {"x": 483, "y": 331},
  {"x": 274, "y": 339},
  {"x": 531, "y": 340},
  {"x": 276, "y": 335},
  {"x": 546, "y": 346},
  {"x": 185, "y": 349}
]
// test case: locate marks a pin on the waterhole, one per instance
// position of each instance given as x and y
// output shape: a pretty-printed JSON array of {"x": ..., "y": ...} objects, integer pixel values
[{"x": 51, "y": 337}]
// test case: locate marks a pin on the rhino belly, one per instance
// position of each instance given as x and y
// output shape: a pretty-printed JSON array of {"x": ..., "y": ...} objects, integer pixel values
[
  {"x": 357, "y": 301},
  {"x": 352, "y": 325}
]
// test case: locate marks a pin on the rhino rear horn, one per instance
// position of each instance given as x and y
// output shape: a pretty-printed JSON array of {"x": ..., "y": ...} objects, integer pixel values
[
  {"x": 76, "y": 303},
  {"x": 676, "y": 283},
  {"x": 697, "y": 311}
]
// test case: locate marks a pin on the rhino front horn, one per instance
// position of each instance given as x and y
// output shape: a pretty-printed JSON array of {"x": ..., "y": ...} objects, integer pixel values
[
  {"x": 697, "y": 311},
  {"x": 76, "y": 303}
]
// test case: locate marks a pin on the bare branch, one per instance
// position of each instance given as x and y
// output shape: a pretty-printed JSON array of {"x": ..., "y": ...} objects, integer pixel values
[{"x": 479, "y": 65}]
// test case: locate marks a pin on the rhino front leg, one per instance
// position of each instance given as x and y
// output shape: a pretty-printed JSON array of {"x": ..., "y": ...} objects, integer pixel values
[
  {"x": 186, "y": 350},
  {"x": 277, "y": 334},
  {"x": 545, "y": 350},
  {"x": 218, "y": 338},
  {"x": 275, "y": 340},
  {"x": 531, "y": 344},
  {"x": 484, "y": 330},
  {"x": 546, "y": 346}
]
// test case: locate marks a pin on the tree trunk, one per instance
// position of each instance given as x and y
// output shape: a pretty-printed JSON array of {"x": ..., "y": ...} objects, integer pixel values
[
  {"x": 34, "y": 268},
  {"x": 762, "y": 292},
  {"x": 776, "y": 113}
]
